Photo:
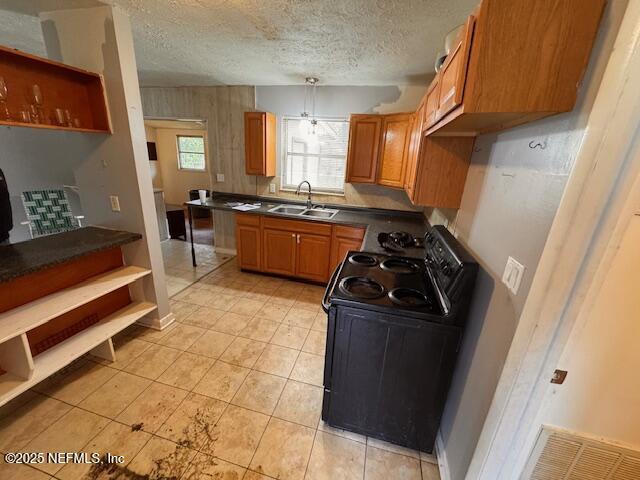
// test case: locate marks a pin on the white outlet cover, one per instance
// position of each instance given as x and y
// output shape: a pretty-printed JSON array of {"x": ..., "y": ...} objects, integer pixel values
[
  {"x": 115, "y": 203},
  {"x": 219, "y": 177},
  {"x": 272, "y": 188},
  {"x": 512, "y": 276}
]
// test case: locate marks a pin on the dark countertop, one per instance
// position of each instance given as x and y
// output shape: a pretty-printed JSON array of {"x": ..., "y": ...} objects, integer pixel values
[
  {"x": 375, "y": 220},
  {"x": 19, "y": 259}
]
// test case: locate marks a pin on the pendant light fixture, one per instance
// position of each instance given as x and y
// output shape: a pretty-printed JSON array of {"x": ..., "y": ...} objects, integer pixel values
[{"x": 309, "y": 122}]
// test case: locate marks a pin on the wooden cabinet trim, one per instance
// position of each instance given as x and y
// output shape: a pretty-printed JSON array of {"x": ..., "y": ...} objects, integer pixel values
[
  {"x": 248, "y": 219},
  {"x": 356, "y": 233},
  {"x": 299, "y": 226}
]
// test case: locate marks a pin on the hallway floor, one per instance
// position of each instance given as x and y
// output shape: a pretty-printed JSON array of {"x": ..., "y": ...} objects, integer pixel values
[{"x": 231, "y": 390}]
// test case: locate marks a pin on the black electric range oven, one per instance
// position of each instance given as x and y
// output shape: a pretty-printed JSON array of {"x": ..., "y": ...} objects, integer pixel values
[{"x": 394, "y": 330}]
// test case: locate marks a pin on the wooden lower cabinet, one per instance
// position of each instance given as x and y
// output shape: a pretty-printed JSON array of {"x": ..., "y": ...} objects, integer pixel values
[
  {"x": 279, "y": 251},
  {"x": 344, "y": 240},
  {"x": 294, "y": 248},
  {"x": 313, "y": 256},
  {"x": 249, "y": 242}
]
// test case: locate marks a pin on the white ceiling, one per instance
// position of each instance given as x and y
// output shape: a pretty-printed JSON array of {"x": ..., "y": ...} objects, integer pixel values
[
  {"x": 176, "y": 124},
  {"x": 272, "y": 42}
]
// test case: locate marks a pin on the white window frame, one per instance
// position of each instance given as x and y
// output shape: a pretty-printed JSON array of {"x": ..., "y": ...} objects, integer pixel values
[
  {"x": 283, "y": 158},
  {"x": 204, "y": 142}
]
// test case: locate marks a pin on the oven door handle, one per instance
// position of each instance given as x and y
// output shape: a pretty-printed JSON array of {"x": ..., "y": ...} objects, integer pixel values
[{"x": 325, "y": 299}]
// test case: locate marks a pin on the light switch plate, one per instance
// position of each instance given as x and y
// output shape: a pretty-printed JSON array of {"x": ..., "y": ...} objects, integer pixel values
[
  {"x": 115, "y": 203},
  {"x": 272, "y": 188},
  {"x": 512, "y": 276},
  {"x": 220, "y": 177}
]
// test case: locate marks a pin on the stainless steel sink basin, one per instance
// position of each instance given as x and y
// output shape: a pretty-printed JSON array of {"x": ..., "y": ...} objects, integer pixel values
[
  {"x": 319, "y": 213},
  {"x": 315, "y": 212},
  {"x": 288, "y": 209}
]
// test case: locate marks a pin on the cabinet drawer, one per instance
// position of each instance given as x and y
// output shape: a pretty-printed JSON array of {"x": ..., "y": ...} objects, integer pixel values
[
  {"x": 248, "y": 219},
  {"x": 297, "y": 226},
  {"x": 356, "y": 233}
]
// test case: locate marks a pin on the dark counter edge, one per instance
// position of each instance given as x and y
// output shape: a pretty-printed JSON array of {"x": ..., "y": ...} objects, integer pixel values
[
  {"x": 375, "y": 220},
  {"x": 30, "y": 256}
]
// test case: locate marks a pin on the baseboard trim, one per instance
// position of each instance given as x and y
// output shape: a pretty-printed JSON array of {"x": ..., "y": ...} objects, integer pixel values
[
  {"x": 443, "y": 463},
  {"x": 225, "y": 251},
  {"x": 157, "y": 323}
]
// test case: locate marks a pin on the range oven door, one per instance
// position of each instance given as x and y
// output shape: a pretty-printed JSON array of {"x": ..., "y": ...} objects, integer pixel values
[{"x": 328, "y": 356}]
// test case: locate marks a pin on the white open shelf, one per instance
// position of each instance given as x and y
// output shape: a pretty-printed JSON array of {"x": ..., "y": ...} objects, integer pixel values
[
  {"x": 33, "y": 314},
  {"x": 64, "y": 353}
]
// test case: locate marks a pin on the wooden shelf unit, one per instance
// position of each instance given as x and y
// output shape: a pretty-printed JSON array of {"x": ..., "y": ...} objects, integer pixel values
[
  {"x": 61, "y": 355},
  {"x": 62, "y": 86},
  {"x": 23, "y": 369}
]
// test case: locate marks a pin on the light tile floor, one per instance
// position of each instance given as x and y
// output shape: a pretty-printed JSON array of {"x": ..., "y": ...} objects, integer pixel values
[
  {"x": 232, "y": 390},
  {"x": 178, "y": 267}
]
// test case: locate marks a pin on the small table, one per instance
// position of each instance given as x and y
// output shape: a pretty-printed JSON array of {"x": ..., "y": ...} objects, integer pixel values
[{"x": 175, "y": 219}]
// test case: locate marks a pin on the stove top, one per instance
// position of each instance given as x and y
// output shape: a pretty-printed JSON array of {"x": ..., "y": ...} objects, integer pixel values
[
  {"x": 381, "y": 282},
  {"x": 428, "y": 288}
]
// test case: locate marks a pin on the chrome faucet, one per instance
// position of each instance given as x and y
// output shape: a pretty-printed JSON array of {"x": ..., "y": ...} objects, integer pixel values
[{"x": 309, "y": 204}]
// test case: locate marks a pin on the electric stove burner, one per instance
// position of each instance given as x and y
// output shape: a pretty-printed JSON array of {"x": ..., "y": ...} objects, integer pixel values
[
  {"x": 400, "y": 265},
  {"x": 363, "y": 260},
  {"x": 408, "y": 297},
  {"x": 361, "y": 287}
]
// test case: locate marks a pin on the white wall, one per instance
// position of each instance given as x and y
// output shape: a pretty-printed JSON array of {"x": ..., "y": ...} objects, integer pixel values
[
  {"x": 601, "y": 394},
  {"x": 99, "y": 39},
  {"x": 38, "y": 159},
  {"x": 176, "y": 183},
  {"x": 340, "y": 102},
  {"x": 510, "y": 200}
]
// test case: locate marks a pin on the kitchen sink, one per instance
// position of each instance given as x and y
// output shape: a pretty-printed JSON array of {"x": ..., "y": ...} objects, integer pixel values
[
  {"x": 315, "y": 212},
  {"x": 319, "y": 213},
  {"x": 289, "y": 209}
]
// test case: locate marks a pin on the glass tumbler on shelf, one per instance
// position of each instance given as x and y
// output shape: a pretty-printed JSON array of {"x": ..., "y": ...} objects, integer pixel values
[
  {"x": 34, "y": 114},
  {"x": 60, "y": 119},
  {"x": 4, "y": 111},
  {"x": 36, "y": 96},
  {"x": 67, "y": 117}
]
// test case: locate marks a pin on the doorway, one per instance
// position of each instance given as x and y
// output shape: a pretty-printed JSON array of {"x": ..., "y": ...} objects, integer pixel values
[{"x": 179, "y": 164}]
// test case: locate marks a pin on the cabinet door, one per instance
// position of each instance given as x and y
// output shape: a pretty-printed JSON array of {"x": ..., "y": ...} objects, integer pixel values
[
  {"x": 389, "y": 377},
  {"x": 259, "y": 143},
  {"x": 454, "y": 72},
  {"x": 395, "y": 145},
  {"x": 279, "y": 251},
  {"x": 339, "y": 249},
  {"x": 313, "y": 257},
  {"x": 431, "y": 105},
  {"x": 414, "y": 149},
  {"x": 364, "y": 144},
  {"x": 248, "y": 245}
]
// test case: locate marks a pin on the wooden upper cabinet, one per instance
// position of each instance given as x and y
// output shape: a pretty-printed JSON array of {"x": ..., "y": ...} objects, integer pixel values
[
  {"x": 364, "y": 144},
  {"x": 442, "y": 171},
  {"x": 313, "y": 257},
  {"x": 260, "y": 143},
  {"x": 430, "y": 111},
  {"x": 414, "y": 150},
  {"x": 516, "y": 61},
  {"x": 454, "y": 70},
  {"x": 396, "y": 135}
]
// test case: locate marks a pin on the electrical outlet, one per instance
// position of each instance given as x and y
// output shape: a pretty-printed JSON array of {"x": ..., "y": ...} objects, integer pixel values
[
  {"x": 512, "y": 276},
  {"x": 272, "y": 188},
  {"x": 115, "y": 203},
  {"x": 220, "y": 177}
]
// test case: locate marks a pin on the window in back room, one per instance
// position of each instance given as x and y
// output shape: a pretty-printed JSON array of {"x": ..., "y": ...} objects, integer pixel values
[
  {"x": 319, "y": 158},
  {"x": 191, "y": 152}
]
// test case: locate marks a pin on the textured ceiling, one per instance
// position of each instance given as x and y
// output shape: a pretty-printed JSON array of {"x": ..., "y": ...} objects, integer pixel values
[{"x": 275, "y": 42}]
